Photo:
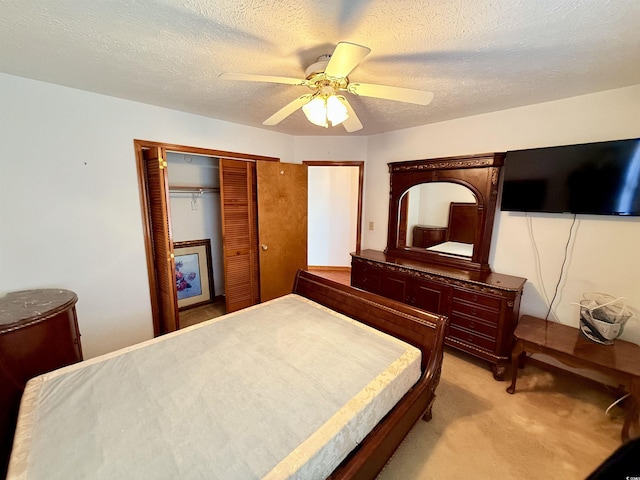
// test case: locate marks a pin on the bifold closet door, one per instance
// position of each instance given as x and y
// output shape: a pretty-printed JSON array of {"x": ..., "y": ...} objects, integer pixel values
[
  {"x": 239, "y": 233},
  {"x": 158, "y": 193}
]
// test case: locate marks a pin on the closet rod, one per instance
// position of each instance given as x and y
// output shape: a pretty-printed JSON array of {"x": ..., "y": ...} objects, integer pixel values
[{"x": 186, "y": 189}]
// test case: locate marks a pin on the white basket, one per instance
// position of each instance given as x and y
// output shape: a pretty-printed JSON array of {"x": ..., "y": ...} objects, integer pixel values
[{"x": 602, "y": 317}]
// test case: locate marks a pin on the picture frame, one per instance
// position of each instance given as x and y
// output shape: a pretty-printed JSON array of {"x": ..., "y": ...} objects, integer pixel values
[{"x": 193, "y": 273}]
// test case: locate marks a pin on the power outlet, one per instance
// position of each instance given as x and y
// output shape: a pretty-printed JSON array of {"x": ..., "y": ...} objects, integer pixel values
[{"x": 370, "y": 225}]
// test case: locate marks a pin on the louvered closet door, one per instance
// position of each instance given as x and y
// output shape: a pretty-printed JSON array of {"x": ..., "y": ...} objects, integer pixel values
[
  {"x": 239, "y": 234},
  {"x": 158, "y": 188}
]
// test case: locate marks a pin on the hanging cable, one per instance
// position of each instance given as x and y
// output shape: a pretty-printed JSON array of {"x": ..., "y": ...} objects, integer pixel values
[
  {"x": 564, "y": 261},
  {"x": 615, "y": 403},
  {"x": 536, "y": 254}
]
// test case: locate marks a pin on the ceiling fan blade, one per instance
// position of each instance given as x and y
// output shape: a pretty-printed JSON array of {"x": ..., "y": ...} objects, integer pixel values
[
  {"x": 351, "y": 124},
  {"x": 247, "y": 77},
  {"x": 287, "y": 110},
  {"x": 345, "y": 58},
  {"x": 399, "y": 94}
]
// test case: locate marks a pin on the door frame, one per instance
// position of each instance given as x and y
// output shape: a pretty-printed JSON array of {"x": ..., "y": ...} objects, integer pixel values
[
  {"x": 346, "y": 163},
  {"x": 143, "y": 188}
]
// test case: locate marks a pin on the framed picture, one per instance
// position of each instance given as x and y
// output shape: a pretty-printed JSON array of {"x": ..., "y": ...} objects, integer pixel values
[{"x": 194, "y": 274}]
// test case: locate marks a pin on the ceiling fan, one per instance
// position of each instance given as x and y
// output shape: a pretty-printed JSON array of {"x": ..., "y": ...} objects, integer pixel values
[{"x": 327, "y": 79}]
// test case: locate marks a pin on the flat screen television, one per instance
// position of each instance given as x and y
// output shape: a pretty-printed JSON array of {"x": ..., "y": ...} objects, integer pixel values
[{"x": 593, "y": 178}]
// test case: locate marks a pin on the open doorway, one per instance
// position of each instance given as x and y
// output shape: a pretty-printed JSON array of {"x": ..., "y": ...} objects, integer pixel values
[
  {"x": 196, "y": 232},
  {"x": 335, "y": 216}
]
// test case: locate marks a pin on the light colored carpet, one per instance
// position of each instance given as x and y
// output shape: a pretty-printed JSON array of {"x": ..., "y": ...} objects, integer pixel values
[
  {"x": 195, "y": 315},
  {"x": 553, "y": 427}
]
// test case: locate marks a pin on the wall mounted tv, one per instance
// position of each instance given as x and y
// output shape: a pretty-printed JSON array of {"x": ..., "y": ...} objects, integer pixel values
[{"x": 593, "y": 178}]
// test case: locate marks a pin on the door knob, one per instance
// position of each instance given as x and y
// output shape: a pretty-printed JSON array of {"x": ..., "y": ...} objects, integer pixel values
[{"x": 264, "y": 246}]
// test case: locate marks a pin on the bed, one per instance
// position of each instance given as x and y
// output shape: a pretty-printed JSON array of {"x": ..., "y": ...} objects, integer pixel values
[
  {"x": 298, "y": 387},
  {"x": 457, "y": 238}
]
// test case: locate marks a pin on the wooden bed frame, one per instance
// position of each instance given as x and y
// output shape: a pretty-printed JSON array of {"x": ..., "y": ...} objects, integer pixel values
[
  {"x": 424, "y": 330},
  {"x": 463, "y": 220},
  {"x": 461, "y": 227}
]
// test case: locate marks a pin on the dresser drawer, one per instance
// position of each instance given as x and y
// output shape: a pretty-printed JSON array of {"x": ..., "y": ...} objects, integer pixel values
[
  {"x": 472, "y": 338},
  {"x": 478, "y": 298},
  {"x": 365, "y": 277},
  {"x": 476, "y": 325},
  {"x": 475, "y": 311},
  {"x": 368, "y": 282}
]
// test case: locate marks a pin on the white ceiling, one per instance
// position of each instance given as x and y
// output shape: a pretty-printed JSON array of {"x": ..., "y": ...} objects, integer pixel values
[{"x": 476, "y": 55}]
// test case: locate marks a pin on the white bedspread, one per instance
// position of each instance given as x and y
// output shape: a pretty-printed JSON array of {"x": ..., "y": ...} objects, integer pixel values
[
  {"x": 453, "y": 248},
  {"x": 285, "y": 389}
]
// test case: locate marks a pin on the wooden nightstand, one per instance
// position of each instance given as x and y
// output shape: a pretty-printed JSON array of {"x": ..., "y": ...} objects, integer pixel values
[{"x": 38, "y": 333}]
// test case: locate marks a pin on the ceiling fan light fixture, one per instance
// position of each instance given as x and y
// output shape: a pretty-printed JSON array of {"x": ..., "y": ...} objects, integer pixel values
[
  {"x": 316, "y": 112},
  {"x": 327, "y": 77},
  {"x": 323, "y": 110},
  {"x": 336, "y": 111}
]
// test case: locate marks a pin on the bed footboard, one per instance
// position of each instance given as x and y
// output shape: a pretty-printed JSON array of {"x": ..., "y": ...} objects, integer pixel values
[{"x": 424, "y": 330}]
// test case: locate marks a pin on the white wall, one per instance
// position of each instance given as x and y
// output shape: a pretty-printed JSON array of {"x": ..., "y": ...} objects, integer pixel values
[
  {"x": 435, "y": 200},
  {"x": 343, "y": 148},
  {"x": 604, "y": 254},
  {"x": 332, "y": 215},
  {"x": 70, "y": 214}
]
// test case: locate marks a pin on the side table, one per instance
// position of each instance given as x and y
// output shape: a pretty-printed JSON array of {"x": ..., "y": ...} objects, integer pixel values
[
  {"x": 620, "y": 361},
  {"x": 38, "y": 333}
]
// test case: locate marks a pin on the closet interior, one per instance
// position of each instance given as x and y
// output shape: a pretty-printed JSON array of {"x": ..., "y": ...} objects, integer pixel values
[{"x": 196, "y": 232}]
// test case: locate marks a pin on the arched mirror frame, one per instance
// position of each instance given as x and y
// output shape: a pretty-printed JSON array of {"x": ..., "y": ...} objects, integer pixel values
[{"x": 479, "y": 173}]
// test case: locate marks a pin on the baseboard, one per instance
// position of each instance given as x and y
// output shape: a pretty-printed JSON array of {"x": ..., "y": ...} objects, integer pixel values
[{"x": 327, "y": 268}]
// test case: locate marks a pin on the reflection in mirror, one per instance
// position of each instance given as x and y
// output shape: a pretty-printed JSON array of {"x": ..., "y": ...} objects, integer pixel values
[{"x": 440, "y": 217}]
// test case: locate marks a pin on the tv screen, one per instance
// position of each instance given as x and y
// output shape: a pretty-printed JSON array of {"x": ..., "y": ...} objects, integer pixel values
[{"x": 593, "y": 178}]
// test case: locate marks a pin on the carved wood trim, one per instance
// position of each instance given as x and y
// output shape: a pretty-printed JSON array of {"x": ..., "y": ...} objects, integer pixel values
[
  {"x": 441, "y": 278},
  {"x": 481, "y": 351},
  {"x": 442, "y": 165}
]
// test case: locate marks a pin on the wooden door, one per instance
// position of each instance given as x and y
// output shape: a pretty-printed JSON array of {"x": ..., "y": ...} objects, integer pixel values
[
  {"x": 239, "y": 233},
  {"x": 155, "y": 167},
  {"x": 282, "y": 225}
]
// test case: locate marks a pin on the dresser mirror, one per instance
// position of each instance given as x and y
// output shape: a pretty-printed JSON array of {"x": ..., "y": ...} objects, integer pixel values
[
  {"x": 441, "y": 210},
  {"x": 439, "y": 217}
]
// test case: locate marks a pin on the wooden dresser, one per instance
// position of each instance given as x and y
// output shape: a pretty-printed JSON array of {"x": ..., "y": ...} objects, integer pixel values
[
  {"x": 425, "y": 235},
  {"x": 38, "y": 333},
  {"x": 482, "y": 307}
]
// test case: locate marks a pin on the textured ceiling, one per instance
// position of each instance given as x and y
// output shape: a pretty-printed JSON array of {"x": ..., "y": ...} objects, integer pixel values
[{"x": 475, "y": 55}]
